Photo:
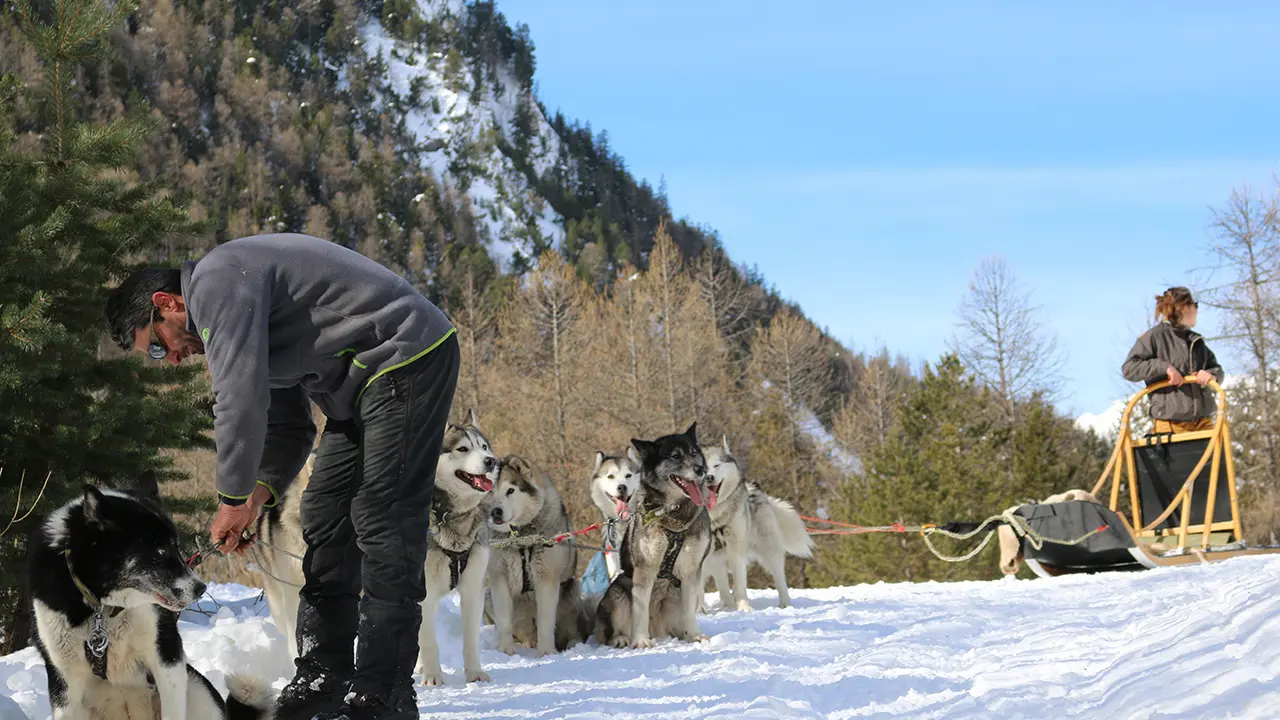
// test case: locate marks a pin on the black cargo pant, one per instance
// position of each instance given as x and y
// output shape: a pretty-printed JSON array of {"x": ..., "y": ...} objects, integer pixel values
[{"x": 364, "y": 517}]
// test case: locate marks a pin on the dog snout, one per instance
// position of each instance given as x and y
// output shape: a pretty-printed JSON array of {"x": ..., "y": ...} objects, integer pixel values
[
  {"x": 622, "y": 491},
  {"x": 496, "y": 514},
  {"x": 197, "y": 589},
  {"x": 490, "y": 464}
]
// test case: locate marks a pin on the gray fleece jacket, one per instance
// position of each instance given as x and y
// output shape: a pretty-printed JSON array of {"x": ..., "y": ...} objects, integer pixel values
[
  {"x": 1184, "y": 349},
  {"x": 287, "y": 320}
]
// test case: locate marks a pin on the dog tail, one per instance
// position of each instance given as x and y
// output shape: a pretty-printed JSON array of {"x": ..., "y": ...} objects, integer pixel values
[
  {"x": 795, "y": 536},
  {"x": 249, "y": 698}
]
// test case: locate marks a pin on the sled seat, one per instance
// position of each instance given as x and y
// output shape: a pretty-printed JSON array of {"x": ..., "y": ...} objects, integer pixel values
[
  {"x": 1113, "y": 549},
  {"x": 1117, "y": 548}
]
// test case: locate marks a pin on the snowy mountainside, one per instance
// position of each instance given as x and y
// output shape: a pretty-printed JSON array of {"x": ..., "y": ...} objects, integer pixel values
[{"x": 459, "y": 127}]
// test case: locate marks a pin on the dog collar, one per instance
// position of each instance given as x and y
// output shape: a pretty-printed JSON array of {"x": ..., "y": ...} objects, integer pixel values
[
  {"x": 95, "y": 646},
  {"x": 89, "y": 599}
]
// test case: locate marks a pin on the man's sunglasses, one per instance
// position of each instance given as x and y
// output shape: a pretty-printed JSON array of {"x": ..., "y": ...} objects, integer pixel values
[{"x": 156, "y": 350}]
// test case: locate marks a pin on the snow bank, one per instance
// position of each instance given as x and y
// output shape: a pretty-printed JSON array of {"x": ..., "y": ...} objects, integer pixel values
[{"x": 1190, "y": 642}]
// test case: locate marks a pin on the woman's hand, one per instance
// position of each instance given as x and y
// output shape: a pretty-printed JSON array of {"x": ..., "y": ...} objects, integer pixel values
[
  {"x": 1203, "y": 377},
  {"x": 1175, "y": 377}
]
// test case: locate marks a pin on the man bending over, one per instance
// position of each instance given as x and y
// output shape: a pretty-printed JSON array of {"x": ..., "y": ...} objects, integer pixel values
[{"x": 286, "y": 320}]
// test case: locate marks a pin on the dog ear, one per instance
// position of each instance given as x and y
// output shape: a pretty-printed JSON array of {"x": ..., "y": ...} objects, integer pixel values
[
  {"x": 93, "y": 502},
  {"x": 472, "y": 420},
  {"x": 724, "y": 443},
  {"x": 519, "y": 464},
  {"x": 644, "y": 450},
  {"x": 632, "y": 456},
  {"x": 692, "y": 432},
  {"x": 599, "y": 462}
]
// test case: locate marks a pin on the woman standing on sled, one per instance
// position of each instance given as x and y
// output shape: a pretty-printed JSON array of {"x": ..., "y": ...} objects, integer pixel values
[{"x": 1170, "y": 351}]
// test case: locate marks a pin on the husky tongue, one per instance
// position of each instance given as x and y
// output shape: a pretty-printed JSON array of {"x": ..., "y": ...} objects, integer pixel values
[
  {"x": 620, "y": 507},
  {"x": 479, "y": 482},
  {"x": 712, "y": 493},
  {"x": 690, "y": 488}
]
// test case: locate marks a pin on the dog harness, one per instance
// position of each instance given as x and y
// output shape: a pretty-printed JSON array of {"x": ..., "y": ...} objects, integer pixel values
[
  {"x": 95, "y": 646},
  {"x": 717, "y": 537},
  {"x": 526, "y": 555},
  {"x": 611, "y": 534},
  {"x": 457, "y": 564},
  {"x": 457, "y": 558},
  {"x": 675, "y": 542}
]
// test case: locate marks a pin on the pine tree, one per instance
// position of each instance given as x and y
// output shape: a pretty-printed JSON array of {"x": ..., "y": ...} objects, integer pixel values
[
  {"x": 74, "y": 411},
  {"x": 942, "y": 462}
]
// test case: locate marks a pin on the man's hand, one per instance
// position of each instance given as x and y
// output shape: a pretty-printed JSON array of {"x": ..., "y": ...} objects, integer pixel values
[
  {"x": 1175, "y": 377},
  {"x": 232, "y": 520}
]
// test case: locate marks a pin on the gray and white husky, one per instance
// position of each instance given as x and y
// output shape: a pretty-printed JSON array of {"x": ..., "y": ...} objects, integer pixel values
[
  {"x": 458, "y": 548},
  {"x": 748, "y": 524},
  {"x": 666, "y": 540},
  {"x": 533, "y": 597},
  {"x": 458, "y": 545},
  {"x": 107, "y": 584},
  {"x": 613, "y": 483}
]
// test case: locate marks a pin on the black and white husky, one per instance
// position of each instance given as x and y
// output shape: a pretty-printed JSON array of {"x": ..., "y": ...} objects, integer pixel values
[{"x": 107, "y": 584}]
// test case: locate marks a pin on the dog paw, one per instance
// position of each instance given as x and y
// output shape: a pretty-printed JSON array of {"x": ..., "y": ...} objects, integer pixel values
[
  {"x": 621, "y": 641},
  {"x": 744, "y": 606},
  {"x": 643, "y": 644},
  {"x": 541, "y": 652},
  {"x": 433, "y": 679},
  {"x": 478, "y": 676},
  {"x": 700, "y": 638},
  {"x": 509, "y": 647}
]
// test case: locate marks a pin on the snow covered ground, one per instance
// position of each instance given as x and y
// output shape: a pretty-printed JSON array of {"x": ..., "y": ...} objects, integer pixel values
[{"x": 1191, "y": 642}]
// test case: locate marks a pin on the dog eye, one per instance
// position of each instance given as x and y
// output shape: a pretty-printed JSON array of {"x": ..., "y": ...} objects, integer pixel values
[
  {"x": 611, "y": 477},
  {"x": 511, "y": 491},
  {"x": 485, "y": 448},
  {"x": 462, "y": 448},
  {"x": 628, "y": 474}
]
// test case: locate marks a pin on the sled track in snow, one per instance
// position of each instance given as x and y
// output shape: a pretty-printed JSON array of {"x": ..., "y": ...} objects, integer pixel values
[{"x": 1192, "y": 642}]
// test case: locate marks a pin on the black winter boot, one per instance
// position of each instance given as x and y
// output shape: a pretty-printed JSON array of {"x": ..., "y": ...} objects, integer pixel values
[
  {"x": 364, "y": 707},
  {"x": 310, "y": 693}
]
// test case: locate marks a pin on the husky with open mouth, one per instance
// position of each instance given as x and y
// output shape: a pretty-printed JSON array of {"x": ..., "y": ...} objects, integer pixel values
[
  {"x": 613, "y": 484},
  {"x": 666, "y": 540},
  {"x": 748, "y": 525},
  {"x": 458, "y": 549}
]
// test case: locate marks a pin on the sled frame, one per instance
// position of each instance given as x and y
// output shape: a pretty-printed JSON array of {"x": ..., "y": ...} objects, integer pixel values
[{"x": 1217, "y": 454}]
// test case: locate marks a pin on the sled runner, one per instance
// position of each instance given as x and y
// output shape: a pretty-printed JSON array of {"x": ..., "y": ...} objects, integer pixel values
[{"x": 1182, "y": 504}]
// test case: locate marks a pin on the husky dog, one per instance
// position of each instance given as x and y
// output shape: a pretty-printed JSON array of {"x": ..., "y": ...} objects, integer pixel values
[
  {"x": 614, "y": 482},
  {"x": 458, "y": 546},
  {"x": 533, "y": 595},
  {"x": 666, "y": 540},
  {"x": 748, "y": 524},
  {"x": 107, "y": 584},
  {"x": 279, "y": 556}
]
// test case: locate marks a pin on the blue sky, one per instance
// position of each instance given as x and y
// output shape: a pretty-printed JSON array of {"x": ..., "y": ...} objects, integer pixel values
[{"x": 867, "y": 157}]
